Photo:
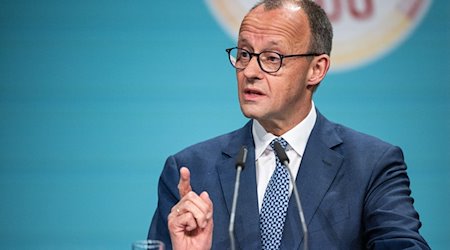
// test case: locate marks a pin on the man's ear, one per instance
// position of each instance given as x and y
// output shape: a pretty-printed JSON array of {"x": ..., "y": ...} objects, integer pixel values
[{"x": 318, "y": 69}]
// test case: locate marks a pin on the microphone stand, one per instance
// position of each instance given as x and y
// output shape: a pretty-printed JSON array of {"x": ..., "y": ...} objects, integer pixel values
[
  {"x": 285, "y": 160},
  {"x": 240, "y": 164}
]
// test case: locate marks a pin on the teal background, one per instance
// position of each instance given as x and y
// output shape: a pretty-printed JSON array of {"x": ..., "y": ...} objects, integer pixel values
[{"x": 94, "y": 95}]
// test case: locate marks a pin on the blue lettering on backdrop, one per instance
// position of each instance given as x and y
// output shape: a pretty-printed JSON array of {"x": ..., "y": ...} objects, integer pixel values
[{"x": 95, "y": 95}]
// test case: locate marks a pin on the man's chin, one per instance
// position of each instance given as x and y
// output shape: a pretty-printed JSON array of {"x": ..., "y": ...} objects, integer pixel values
[{"x": 251, "y": 114}]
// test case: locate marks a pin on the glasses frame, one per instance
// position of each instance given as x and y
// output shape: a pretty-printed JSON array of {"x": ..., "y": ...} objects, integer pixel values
[{"x": 230, "y": 57}]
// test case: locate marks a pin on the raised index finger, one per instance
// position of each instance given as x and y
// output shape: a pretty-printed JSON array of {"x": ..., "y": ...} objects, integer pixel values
[{"x": 184, "y": 185}]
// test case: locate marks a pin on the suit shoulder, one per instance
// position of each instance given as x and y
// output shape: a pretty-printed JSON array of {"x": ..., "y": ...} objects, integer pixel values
[
  {"x": 357, "y": 144},
  {"x": 359, "y": 139}
]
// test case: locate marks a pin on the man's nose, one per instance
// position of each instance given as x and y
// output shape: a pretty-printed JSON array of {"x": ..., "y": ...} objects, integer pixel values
[{"x": 253, "y": 70}]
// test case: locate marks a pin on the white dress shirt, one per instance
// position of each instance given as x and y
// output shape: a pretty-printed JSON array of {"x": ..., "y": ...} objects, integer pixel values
[{"x": 297, "y": 138}]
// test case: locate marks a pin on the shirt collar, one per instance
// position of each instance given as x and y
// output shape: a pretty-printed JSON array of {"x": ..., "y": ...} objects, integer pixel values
[{"x": 297, "y": 137}]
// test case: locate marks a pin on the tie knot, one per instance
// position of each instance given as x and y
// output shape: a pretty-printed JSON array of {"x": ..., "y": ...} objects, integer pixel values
[{"x": 280, "y": 140}]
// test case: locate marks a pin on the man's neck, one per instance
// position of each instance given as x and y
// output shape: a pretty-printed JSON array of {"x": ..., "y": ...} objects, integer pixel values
[{"x": 279, "y": 127}]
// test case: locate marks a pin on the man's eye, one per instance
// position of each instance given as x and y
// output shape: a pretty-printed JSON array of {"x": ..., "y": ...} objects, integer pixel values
[
  {"x": 270, "y": 58},
  {"x": 244, "y": 54},
  {"x": 273, "y": 59}
]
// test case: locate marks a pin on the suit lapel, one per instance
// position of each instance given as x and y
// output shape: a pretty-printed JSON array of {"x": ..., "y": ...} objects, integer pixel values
[
  {"x": 318, "y": 169},
  {"x": 247, "y": 212}
]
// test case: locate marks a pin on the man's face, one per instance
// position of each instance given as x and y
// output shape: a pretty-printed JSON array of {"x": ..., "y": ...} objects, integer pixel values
[{"x": 282, "y": 97}]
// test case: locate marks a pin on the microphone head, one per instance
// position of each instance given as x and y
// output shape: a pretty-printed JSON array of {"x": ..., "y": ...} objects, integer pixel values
[
  {"x": 280, "y": 152},
  {"x": 242, "y": 157}
]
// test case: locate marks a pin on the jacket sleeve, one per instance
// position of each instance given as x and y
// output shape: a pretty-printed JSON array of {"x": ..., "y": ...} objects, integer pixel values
[
  {"x": 168, "y": 196},
  {"x": 391, "y": 222}
]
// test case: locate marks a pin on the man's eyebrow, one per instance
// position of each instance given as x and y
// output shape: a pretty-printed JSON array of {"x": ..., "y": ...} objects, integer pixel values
[
  {"x": 242, "y": 40},
  {"x": 274, "y": 43}
]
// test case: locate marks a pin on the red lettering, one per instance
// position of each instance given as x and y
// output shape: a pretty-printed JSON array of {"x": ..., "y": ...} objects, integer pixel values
[
  {"x": 334, "y": 8},
  {"x": 363, "y": 13},
  {"x": 414, "y": 9},
  {"x": 334, "y": 12}
]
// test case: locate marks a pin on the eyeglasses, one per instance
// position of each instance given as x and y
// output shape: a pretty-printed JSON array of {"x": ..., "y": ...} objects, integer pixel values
[{"x": 269, "y": 61}]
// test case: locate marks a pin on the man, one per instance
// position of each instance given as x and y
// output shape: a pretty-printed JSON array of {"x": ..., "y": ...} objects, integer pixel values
[{"x": 354, "y": 188}]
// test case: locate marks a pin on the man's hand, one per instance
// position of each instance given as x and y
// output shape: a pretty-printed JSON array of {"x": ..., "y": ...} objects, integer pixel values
[{"x": 191, "y": 219}]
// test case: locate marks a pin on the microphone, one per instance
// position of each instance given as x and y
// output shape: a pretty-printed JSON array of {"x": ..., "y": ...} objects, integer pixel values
[
  {"x": 240, "y": 164},
  {"x": 285, "y": 160}
]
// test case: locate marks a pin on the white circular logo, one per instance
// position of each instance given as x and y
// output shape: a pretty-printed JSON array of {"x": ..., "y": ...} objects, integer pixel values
[{"x": 364, "y": 30}]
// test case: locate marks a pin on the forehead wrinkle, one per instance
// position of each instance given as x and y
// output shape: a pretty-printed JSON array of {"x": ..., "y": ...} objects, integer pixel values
[
  {"x": 289, "y": 28},
  {"x": 273, "y": 42},
  {"x": 260, "y": 27}
]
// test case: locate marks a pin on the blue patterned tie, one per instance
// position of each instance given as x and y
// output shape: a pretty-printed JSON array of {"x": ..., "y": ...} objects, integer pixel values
[{"x": 275, "y": 204}]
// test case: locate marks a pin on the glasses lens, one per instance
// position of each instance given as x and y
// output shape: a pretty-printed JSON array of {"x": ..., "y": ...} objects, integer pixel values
[
  {"x": 239, "y": 58},
  {"x": 270, "y": 61}
]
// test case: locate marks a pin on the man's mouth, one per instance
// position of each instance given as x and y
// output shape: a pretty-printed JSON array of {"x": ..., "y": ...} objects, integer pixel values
[{"x": 252, "y": 94}]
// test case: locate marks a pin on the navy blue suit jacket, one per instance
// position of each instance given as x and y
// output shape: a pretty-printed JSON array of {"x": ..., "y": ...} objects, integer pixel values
[{"x": 354, "y": 190}]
